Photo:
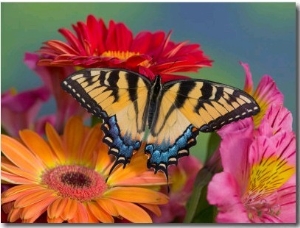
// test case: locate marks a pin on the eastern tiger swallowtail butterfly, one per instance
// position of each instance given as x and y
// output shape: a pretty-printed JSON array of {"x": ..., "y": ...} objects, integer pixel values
[{"x": 172, "y": 113}]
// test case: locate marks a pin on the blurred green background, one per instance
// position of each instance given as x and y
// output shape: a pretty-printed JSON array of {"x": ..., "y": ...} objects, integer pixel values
[{"x": 260, "y": 34}]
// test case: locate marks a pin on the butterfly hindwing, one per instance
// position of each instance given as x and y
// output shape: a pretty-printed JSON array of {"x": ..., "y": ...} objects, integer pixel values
[
  {"x": 120, "y": 98},
  {"x": 186, "y": 107}
]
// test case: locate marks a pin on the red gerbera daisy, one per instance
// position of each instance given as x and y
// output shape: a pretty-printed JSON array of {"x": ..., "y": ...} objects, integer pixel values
[{"x": 96, "y": 45}]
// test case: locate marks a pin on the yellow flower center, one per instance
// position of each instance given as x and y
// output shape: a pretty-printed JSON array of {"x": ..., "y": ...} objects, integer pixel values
[
  {"x": 76, "y": 182},
  {"x": 265, "y": 178},
  {"x": 124, "y": 55}
]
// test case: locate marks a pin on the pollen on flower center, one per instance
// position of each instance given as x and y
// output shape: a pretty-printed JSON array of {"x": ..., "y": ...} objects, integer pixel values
[
  {"x": 74, "y": 181},
  {"x": 122, "y": 55}
]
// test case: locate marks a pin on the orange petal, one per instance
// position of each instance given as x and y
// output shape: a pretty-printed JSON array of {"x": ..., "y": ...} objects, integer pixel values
[
  {"x": 73, "y": 136},
  {"x": 70, "y": 209},
  {"x": 154, "y": 208},
  {"x": 21, "y": 188},
  {"x": 14, "y": 214},
  {"x": 38, "y": 146},
  {"x": 20, "y": 155},
  {"x": 91, "y": 217},
  {"x": 55, "y": 209},
  {"x": 18, "y": 192},
  {"x": 34, "y": 198},
  {"x": 56, "y": 143},
  {"x": 136, "y": 166},
  {"x": 90, "y": 143},
  {"x": 108, "y": 206},
  {"x": 54, "y": 220},
  {"x": 33, "y": 211},
  {"x": 81, "y": 214},
  {"x": 99, "y": 213},
  {"x": 132, "y": 212},
  {"x": 148, "y": 178},
  {"x": 13, "y": 179},
  {"x": 12, "y": 170},
  {"x": 103, "y": 159},
  {"x": 141, "y": 195}
]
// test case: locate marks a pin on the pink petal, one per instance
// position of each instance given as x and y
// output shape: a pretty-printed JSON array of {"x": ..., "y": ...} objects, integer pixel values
[
  {"x": 238, "y": 167},
  {"x": 277, "y": 118},
  {"x": 268, "y": 92},
  {"x": 243, "y": 128},
  {"x": 223, "y": 192},
  {"x": 248, "y": 78},
  {"x": 285, "y": 143}
]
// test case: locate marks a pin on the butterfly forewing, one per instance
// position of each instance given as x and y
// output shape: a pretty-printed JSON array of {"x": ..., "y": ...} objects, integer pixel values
[
  {"x": 121, "y": 99},
  {"x": 209, "y": 105}
]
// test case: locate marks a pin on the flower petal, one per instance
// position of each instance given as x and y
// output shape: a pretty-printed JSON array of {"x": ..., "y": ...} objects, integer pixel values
[
  {"x": 154, "y": 208},
  {"x": 38, "y": 146},
  {"x": 20, "y": 155},
  {"x": 141, "y": 195},
  {"x": 33, "y": 211},
  {"x": 9, "y": 196},
  {"x": 70, "y": 209},
  {"x": 54, "y": 220},
  {"x": 15, "y": 175},
  {"x": 277, "y": 118},
  {"x": 81, "y": 214},
  {"x": 108, "y": 206},
  {"x": 132, "y": 212},
  {"x": 56, "y": 143},
  {"x": 57, "y": 206},
  {"x": 33, "y": 198},
  {"x": 99, "y": 213},
  {"x": 136, "y": 166},
  {"x": 147, "y": 178},
  {"x": 230, "y": 207},
  {"x": 73, "y": 141},
  {"x": 89, "y": 145},
  {"x": 14, "y": 214},
  {"x": 248, "y": 78}
]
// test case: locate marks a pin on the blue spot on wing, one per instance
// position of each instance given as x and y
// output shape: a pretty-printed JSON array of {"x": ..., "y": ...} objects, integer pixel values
[
  {"x": 165, "y": 154},
  {"x": 121, "y": 147}
]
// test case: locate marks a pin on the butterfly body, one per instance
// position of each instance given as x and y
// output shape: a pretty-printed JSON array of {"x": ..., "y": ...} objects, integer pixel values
[{"x": 173, "y": 112}]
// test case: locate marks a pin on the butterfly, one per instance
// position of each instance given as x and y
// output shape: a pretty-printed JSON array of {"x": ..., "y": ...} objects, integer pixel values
[{"x": 167, "y": 116}]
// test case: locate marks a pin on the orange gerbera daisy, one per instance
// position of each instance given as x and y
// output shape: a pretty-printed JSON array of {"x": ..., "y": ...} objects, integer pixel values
[{"x": 66, "y": 178}]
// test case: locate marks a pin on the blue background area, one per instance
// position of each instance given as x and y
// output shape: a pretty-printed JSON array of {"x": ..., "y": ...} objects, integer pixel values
[{"x": 260, "y": 34}]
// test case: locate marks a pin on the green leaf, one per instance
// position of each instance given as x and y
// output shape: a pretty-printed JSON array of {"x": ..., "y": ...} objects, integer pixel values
[
  {"x": 213, "y": 144},
  {"x": 205, "y": 213},
  {"x": 196, "y": 202}
]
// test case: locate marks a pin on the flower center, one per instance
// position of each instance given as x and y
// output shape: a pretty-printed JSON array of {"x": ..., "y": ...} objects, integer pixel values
[
  {"x": 266, "y": 178},
  {"x": 74, "y": 181},
  {"x": 124, "y": 55}
]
